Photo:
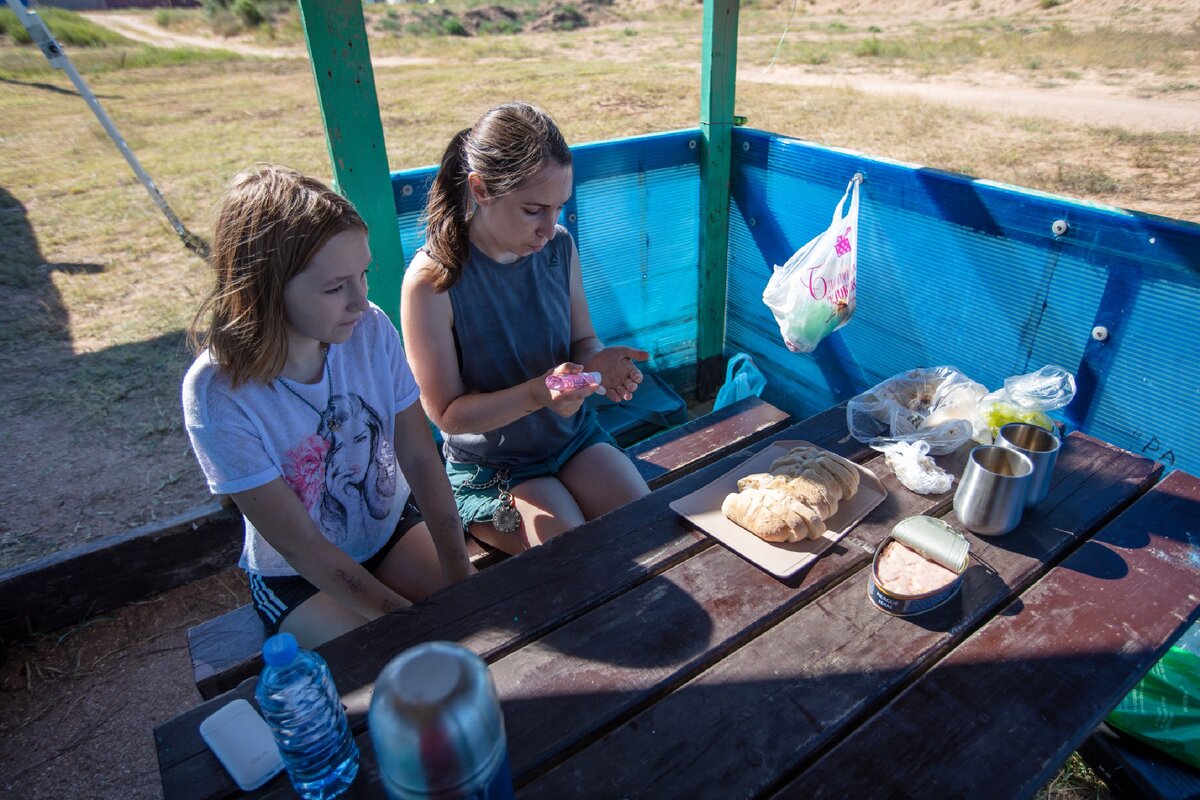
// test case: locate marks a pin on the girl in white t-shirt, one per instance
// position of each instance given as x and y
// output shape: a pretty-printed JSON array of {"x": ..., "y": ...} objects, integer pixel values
[{"x": 302, "y": 407}]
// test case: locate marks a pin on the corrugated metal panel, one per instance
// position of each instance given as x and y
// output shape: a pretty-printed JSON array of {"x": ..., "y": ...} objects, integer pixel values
[
  {"x": 635, "y": 218},
  {"x": 963, "y": 272}
]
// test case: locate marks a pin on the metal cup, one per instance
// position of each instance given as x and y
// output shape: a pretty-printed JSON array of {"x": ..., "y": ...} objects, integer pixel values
[
  {"x": 437, "y": 727},
  {"x": 991, "y": 494},
  {"x": 1040, "y": 446}
]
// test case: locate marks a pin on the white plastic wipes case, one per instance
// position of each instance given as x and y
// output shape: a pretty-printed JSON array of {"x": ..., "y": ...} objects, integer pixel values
[
  {"x": 243, "y": 743},
  {"x": 813, "y": 294}
]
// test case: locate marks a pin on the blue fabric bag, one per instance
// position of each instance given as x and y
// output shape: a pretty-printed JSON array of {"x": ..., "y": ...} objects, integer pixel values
[
  {"x": 742, "y": 379},
  {"x": 655, "y": 407}
]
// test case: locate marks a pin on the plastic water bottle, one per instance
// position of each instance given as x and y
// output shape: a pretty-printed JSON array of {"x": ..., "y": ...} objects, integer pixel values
[
  {"x": 299, "y": 701},
  {"x": 437, "y": 727}
]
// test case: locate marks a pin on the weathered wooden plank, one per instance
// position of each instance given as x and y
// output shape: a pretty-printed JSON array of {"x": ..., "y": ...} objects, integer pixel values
[
  {"x": 657, "y": 636},
  {"x": 502, "y": 608},
  {"x": 766, "y": 709},
  {"x": 680, "y": 451},
  {"x": 1060, "y": 657},
  {"x": 225, "y": 650},
  {"x": 67, "y": 587}
]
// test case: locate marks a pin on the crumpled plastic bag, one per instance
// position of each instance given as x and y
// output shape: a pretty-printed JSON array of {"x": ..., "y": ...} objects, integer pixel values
[
  {"x": 936, "y": 410},
  {"x": 914, "y": 468},
  {"x": 1164, "y": 708},
  {"x": 1025, "y": 398},
  {"x": 937, "y": 405}
]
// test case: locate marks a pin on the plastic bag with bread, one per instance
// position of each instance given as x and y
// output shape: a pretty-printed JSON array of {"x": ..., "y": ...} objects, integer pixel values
[{"x": 792, "y": 501}]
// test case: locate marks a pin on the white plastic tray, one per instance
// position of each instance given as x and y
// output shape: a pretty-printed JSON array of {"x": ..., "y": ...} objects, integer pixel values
[{"x": 703, "y": 509}]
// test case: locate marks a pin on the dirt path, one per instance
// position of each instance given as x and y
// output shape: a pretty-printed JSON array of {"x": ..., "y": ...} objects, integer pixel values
[
  {"x": 1079, "y": 102},
  {"x": 138, "y": 28},
  {"x": 1082, "y": 102},
  {"x": 1086, "y": 101}
]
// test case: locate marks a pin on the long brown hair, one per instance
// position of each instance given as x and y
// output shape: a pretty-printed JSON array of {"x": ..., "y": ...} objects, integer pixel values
[
  {"x": 269, "y": 225},
  {"x": 506, "y": 148}
]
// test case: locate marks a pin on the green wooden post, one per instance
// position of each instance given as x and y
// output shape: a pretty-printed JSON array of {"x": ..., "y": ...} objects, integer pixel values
[
  {"x": 718, "y": 75},
  {"x": 341, "y": 64}
]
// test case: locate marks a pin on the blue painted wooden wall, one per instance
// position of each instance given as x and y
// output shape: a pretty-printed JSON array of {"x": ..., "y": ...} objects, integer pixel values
[
  {"x": 951, "y": 271},
  {"x": 968, "y": 273}
]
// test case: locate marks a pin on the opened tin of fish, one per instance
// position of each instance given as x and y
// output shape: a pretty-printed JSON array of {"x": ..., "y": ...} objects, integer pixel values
[{"x": 923, "y": 571}]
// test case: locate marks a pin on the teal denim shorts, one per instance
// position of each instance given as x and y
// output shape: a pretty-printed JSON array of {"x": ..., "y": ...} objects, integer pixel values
[{"x": 478, "y": 505}]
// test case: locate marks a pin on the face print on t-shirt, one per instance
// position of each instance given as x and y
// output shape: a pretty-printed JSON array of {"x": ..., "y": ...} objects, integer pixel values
[{"x": 348, "y": 468}]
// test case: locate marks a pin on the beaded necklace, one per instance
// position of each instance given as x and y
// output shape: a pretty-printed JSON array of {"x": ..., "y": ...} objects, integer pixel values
[{"x": 326, "y": 416}]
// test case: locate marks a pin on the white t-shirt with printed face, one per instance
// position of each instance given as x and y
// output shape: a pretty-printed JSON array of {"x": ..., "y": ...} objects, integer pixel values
[{"x": 342, "y": 468}]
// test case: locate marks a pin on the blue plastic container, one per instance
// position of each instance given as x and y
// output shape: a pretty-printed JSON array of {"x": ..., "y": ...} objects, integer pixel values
[{"x": 299, "y": 701}]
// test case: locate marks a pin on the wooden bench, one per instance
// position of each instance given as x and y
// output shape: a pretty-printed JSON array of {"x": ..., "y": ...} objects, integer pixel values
[
  {"x": 226, "y": 650},
  {"x": 731, "y": 679}
]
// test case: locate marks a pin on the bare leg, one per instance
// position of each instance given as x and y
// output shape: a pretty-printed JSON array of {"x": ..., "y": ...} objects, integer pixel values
[
  {"x": 412, "y": 568},
  {"x": 547, "y": 509},
  {"x": 602, "y": 478},
  {"x": 319, "y": 619}
]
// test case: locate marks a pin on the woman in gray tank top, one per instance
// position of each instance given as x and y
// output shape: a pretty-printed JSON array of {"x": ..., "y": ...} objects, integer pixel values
[{"x": 492, "y": 306}]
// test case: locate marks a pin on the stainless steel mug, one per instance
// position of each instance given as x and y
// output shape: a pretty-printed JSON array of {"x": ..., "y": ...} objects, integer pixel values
[
  {"x": 991, "y": 494},
  {"x": 437, "y": 727},
  {"x": 1040, "y": 446}
]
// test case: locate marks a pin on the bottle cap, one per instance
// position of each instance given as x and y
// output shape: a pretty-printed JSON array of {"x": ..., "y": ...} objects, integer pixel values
[{"x": 280, "y": 649}]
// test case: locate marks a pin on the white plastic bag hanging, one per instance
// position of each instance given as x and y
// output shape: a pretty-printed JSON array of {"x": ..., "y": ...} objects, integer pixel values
[{"x": 813, "y": 294}]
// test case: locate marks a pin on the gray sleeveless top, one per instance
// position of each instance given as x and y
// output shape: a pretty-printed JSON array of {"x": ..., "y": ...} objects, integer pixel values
[{"x": 512, "y": 322}]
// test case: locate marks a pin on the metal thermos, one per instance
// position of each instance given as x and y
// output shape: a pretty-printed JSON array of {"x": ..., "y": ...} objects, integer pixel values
[{"x": 437, "y": 727}]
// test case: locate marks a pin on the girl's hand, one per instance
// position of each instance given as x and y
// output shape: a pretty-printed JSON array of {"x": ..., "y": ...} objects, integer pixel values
[
  {"x": 567, "y": 401},
  {"x": 618, "y": 374}
]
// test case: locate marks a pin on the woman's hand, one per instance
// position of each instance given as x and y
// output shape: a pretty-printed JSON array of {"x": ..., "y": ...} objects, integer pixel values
[
  {"x": 618, "y": 374},
  {"x": 566, "y": 402}
]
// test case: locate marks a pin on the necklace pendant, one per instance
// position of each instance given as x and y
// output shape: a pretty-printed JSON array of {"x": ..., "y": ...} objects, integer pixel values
[
  {"x": 506, "y": 518},
  {"x": 333, "y": 424}
]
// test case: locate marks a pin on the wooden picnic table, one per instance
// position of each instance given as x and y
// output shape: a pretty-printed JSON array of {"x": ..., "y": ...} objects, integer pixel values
[{"x": 637, "y": 657}]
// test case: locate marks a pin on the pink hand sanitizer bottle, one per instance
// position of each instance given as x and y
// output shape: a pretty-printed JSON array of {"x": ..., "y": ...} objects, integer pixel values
[{"x": 562, "y": 383}]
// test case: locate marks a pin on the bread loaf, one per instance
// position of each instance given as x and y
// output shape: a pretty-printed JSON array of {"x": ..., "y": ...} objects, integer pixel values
[
  {"x": 839, "y": 470},
  {"x": 813, "y": 494},
  {"x": 772, "y": 515},
  {"x": 793, "y": 500}
]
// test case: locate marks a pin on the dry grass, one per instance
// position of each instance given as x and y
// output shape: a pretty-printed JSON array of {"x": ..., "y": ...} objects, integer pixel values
[{"x": 1075, "y": 781}]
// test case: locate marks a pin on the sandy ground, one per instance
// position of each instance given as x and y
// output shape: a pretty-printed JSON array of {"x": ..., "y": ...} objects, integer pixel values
[{"x": 78, "y": 707}]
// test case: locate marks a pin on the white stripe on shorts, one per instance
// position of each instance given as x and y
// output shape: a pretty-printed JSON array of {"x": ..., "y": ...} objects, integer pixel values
[{"x": 265, "y": 599}]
